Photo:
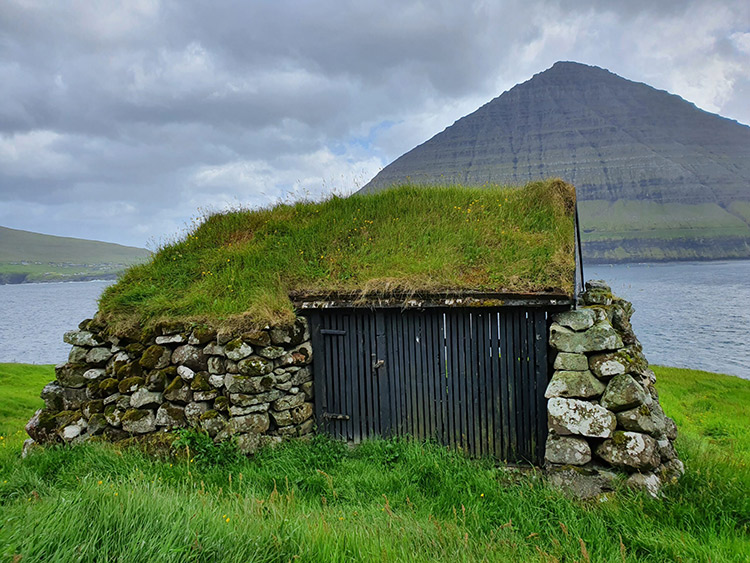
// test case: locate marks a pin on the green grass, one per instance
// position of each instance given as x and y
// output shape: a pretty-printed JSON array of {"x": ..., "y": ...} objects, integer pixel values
[
  {"x": 20, "y": 385},
  {"x": 240, "y": 266},
  {"x": 382, "y": 501}
]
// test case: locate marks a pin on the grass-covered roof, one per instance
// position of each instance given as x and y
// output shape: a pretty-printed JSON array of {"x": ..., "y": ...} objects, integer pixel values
[{"x": 239, "y": 267}]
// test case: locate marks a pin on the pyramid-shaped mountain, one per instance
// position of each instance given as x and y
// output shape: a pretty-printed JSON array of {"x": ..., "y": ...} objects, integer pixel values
[{"x": 657, "y": 178}]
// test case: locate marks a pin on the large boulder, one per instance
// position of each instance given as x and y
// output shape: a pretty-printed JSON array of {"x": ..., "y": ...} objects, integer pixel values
[
  {"x": 248, "y": 384},
  {"x": 577, "y": 320},
  {"x": 623, "y": 393},
  {"x": 571, "y": 362},
  {"x": 574, "y": 384},
  {"x": 573, "y": 416},
  {"x": 567, "y": 450},
  {"x": 630, "y": 450},
  {"x": 600, "y": 337}
]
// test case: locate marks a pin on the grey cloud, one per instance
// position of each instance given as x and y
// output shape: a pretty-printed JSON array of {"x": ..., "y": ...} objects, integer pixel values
[{"x": 153, "y": 109}]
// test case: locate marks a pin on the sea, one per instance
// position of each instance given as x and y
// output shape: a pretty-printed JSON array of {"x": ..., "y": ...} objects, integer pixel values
[{"x": 688, "y": 314}]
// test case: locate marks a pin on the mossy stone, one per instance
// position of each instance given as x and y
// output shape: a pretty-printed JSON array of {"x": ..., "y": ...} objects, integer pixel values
[
  {"x": 221, "y": 403},
  {"x": 108, "y": 387},
  {"x": 135, "y": 349},
  {"x": 203, "y": 334},
  {"x": 134, "y": 415},
  {"x": 132, "y": 369},
  {"x": 71, "y": 375},
  {"x": 156, "y": 381},
  {"x": 153, "y": 356},
  {"x": 200, "y": 382},
  {"x": 130, "y": 384}
]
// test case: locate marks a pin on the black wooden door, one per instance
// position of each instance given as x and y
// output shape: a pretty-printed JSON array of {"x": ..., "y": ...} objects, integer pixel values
[{"x": 473, "y": 379}]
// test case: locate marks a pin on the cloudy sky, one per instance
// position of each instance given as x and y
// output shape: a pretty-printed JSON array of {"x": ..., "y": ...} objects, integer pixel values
[{"x": 121, "y": 121}]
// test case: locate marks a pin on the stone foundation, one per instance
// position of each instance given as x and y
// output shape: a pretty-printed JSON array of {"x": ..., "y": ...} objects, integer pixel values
[
  {"x": 255, "y": 386},
  {"x": 605, "y": 420}
]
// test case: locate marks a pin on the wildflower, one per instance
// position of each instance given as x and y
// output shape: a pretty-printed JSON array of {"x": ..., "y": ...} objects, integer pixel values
[
  {"x": 227, "y": 520},
  {"x": 98, "y": 482}
]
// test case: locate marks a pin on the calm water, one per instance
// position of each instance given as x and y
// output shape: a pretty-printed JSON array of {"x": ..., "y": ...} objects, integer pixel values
[
  {"x": 33, "y": 318},
  {"x": 688, "y": 314},
  {"x": 693, "y": 315}
]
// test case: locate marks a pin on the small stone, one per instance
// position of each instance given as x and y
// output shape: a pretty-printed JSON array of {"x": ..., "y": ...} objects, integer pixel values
[
  {"x": 288, "y": 402},
  {"x": 608, "y": 365},
  {"x": 212, "y": 422},
  {"x": 301, "y": 413},
  {"x": 131, "y": 369},
  {"x": 248, "y": 443},
  {"x": 216, "y": 381},
  {"x": 284, "y": 386},
  {"x": 94, "y": 374},
  {"x": 573, "y": 416},
  {"x": 171, "y": 339},
  {"x": 597, "y": 284},
  {"x": 97, "y": 424},
  {"x": 622, "y": 393},
  {"x": 257, "y": 338},
  {"x": 29, "y": 447},
  {"x": 571, "y": 362},
  {"x": 671, "y": 471},
  {"x": 77, "y": 355},
  {"x": 113, "y": 415},
  {"x": 302, "y": 375},
  {"x": 214, "y": 349},
  {"x": 170, "y": 416},
  {"x": 112, "y": 399},
  {"x": 73, "y": 398},
  {"x": 98, "y": 356},
  {"x": 200, "y": 382},
  {"x": 82, "y": 338},
  {"x": 250, "y": 423},
  {"x": 567, "y": 450},
  {"x": 190, "y": 356},
  {"x": 193, "y": 412},
  {"x": 156, "y": 381},
  {"x": 581, "y": 483},
  {"x": 307, "y": 389},
  {"x": 271, "y": 352},
  {"x": 138, "y": 421},
  {"x": 91, "y": 408},
  {"x": 155, "y": 357},
  {"x": 205, "y": 395},
  {"x": 306, "y": 427},
  {"x": 666, "y": 449},
  {"x": 223, "y": 336},
  {"x": 630, "y": 450},
  {"x": 248, "y": 384},
  {"x": 254, "y": 366},
  {"x": 70, "y": 432},
  {"x": 237, "y": 350},
  {"x": 577, "y": 320},
  {"x": 216, "y": 365},
  {"x": 178, "y": 392},
  {"x": 143, "y": 398},
  {"x": 574, "y": 384},
  {"x": 130, "y": 384},
  {"x": 71, "y": 375},
  {"x": 244, "y": 400},
  {"x": 641, "y": 419},
  {"x": 52, "y": 395},
  {"x": 241, "y": 411},
  {"x": 185, "y": 373},
  {"x": 202, "y": 335},
  {"x": 647, "y": 482},
  {"x": 283, "y": 418}
]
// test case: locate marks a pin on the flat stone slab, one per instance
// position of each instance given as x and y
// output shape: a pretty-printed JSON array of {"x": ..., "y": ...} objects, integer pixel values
[
  {"x": 573, "y": 416},
  {"x": 574, "y": 384}
]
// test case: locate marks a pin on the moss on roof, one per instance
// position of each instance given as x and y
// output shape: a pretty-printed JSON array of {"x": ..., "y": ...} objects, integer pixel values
[{"x": 239, "y": 267}]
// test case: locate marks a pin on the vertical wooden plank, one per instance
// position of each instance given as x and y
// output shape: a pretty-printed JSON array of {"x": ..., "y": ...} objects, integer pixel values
[
  {"x": 431, "y": 361},
  {"x": 372, "y": 373},
  {"x": 508, "y": 350},
  {"x": 423, "y": 386},
  {"x": 383, "y": 374},
  {"x": 313, "y": 321},
  {"x": 471, "y": 384},
  {"x": 485, "y": 412},
  {"x": 531, "y": 385},
  {"x": 462, "y": 395},
  {"x": 452, "y": 379},
  {"x": 443, "y": 379},
  {"x": 495, "y": 374},
  {"x": 354, "y": 390}
]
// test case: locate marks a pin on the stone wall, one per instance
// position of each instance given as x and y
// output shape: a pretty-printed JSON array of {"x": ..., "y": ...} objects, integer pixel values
[
  {"x": 604, "y": 415},
  {"x": 256, "y": 386}
]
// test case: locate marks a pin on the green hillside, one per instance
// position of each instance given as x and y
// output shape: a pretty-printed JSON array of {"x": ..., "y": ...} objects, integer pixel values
[
  {"x": 34, "y": 257},
  {"x": 244, "y": 264}
]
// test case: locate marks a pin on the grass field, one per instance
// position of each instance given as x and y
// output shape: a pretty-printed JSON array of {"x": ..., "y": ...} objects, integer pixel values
[
  {"x": 382, "y": 501},
  {"x": 243, "y": 264}
]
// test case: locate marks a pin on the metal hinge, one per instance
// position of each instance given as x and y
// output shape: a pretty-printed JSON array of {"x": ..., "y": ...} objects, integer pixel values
[{"x": 335, "y": 416}]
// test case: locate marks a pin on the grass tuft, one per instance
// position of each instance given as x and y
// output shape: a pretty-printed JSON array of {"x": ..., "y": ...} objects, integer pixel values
[{"x": 239, "y": 267}]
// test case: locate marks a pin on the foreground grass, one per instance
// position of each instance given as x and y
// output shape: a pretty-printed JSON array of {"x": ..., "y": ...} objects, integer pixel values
[
  {"x": 382, "y": 501},
  {"x": 240, "y": 266}
]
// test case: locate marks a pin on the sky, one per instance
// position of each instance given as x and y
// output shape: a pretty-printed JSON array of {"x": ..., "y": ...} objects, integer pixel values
[{"x": 128, "y": 121}]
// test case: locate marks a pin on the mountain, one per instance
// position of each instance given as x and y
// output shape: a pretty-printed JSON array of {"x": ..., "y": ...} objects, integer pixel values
[
  {"x": 33, "y": 257},
  {"x": 657, "y": 178}
]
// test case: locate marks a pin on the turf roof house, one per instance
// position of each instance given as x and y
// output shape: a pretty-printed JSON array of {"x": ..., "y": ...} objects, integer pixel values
[{"x": 446, "y": 314}]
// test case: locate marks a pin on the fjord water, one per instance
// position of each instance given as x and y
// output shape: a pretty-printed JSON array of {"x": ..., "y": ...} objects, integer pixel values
[
  {"x": 688, "y": 314},
  {"x": 34, "y": 317}
]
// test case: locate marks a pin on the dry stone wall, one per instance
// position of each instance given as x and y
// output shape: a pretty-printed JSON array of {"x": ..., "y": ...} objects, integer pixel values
[
  {"x": 604, "y": 415},
  {"x": 255, "y": 386}
]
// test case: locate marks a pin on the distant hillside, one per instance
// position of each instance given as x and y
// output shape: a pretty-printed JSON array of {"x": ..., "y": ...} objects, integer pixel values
[
  {"x": 27, "y": 257},
  {"x": 657, "y": 178}
]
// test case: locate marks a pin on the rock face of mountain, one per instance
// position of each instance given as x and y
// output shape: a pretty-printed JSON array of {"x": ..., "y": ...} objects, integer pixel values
[{"x": 657, "y": 178}]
